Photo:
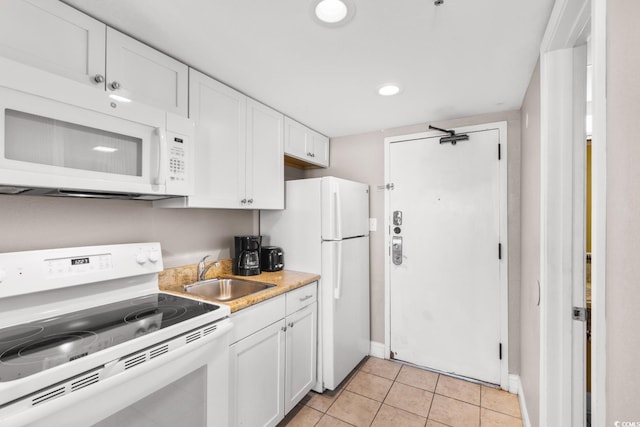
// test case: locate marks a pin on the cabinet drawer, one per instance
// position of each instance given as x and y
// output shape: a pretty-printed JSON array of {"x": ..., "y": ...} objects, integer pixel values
[
  {"x": 256, "y": 317},
  {"x": 301, "y": 297}
]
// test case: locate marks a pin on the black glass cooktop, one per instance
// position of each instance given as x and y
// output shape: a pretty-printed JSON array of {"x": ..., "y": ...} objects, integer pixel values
[{"x": 33, "y": 347}]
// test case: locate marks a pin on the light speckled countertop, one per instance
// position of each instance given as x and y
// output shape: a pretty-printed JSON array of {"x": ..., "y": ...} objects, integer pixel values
[{"x": 173, "y": 280}]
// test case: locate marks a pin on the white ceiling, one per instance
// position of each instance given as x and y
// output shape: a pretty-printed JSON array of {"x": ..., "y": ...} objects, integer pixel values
[{"x": 462, "y": 58}]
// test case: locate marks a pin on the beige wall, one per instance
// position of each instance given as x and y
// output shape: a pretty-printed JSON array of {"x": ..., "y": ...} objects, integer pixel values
[
  {"x": 293, "y": 173},
  {"x": 530, "y": 255},
  {"x": 361, "y": 158},
  {"x": 623, "y": 212},
  {"x": 28, "y": 223}
]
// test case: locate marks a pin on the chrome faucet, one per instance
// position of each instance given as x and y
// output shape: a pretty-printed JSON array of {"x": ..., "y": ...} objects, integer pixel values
[{"x": 201, "y": 267}]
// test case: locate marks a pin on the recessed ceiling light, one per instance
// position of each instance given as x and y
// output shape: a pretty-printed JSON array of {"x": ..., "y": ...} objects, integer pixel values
[
  {"x": 332, "y": 13},
  {"x": 389, "y": 89}
]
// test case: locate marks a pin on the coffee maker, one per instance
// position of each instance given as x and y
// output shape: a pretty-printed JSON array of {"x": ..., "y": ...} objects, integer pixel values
[{"x": 246, "y": 258}]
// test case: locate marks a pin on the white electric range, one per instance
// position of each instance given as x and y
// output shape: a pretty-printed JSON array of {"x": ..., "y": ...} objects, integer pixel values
[{"x": 87, "y": 339}]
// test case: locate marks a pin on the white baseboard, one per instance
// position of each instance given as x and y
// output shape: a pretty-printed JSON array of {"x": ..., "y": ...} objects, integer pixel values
[
  {"x": 515, "y": 386},
  {"x": 377, "y": 350}
]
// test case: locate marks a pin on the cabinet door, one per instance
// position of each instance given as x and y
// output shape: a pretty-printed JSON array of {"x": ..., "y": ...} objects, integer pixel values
[
  {"x": 220, "y": 116},
  {"x": 54, "y": 37},
  {"x": 265, "y": 157},
  {"x": 295, "y": 139},
  {"x": 257, "y": 378},
  {"x": 320, "y": 150},
  {"x": 300, "y": 372},
  {"x": 138, "y": 72}
]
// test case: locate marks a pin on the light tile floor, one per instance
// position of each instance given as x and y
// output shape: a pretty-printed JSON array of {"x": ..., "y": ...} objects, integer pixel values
[{"x": 386, "y": 393}]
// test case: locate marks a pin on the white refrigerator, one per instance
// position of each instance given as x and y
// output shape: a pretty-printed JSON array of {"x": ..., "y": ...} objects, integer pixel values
[{"x": 324, "y": 229}]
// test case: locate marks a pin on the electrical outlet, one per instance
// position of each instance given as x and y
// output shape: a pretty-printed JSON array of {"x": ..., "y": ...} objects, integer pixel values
[{"x": 373, "y": 224}]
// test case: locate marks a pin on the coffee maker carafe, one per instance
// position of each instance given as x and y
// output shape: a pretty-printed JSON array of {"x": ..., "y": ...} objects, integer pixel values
[{"x": 246, "y": 260}]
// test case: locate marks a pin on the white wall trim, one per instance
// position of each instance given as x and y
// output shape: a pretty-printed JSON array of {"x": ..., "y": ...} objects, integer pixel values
[
  {"x": 504, "y": 272},
  {"x": 514, "y": 384},
  {"x": 599, "y": 213},
  {"x": 377, "y": 350},
  {"x": 514, "y": 380},
  {"x": 560, "y": 169}
]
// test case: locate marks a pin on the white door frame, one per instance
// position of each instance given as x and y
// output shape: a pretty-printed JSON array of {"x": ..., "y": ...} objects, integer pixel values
[
  {"x": 504, "y": 282},
  {"x": 562, "y": 202}
]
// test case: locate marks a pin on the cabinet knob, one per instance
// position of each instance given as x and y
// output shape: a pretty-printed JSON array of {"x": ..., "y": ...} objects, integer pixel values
[
  {"x": 250, "y": 201},
  {"x": 291, "y": 325},
  {"x": 98, "y": 78},
  {"x": 313, "y": 154},
  {"x": 114, "y": 85},
  {"x": 284, "y": 329}
]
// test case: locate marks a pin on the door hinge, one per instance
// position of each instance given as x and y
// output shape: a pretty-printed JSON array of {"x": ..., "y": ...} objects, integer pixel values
[
  {"x": 500, "y": 351},
  {"x": 579, "y": 313},
  {"x": 499, "y": 250},
  {"x": 499, "y": 151}
]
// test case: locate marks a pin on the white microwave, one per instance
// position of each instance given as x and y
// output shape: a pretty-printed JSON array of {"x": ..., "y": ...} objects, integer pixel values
[{"x": 58, "y": 138}]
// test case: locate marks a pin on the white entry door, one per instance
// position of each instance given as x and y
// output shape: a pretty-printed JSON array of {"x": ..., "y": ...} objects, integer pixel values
[{"x": 446, "y": 289}]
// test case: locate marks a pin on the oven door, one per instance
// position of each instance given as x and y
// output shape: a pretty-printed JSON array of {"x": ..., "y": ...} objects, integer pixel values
[
  {"x": 47, "y": 143},
  {"x": 188, "y": 386}
]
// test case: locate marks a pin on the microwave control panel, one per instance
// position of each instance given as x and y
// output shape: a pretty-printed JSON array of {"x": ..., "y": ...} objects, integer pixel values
[
  {"x": 178, "y": 181},
  {"x": 177, "y": 159}
]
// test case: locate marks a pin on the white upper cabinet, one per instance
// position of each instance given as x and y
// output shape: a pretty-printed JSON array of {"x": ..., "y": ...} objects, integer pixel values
[
  {"x": 265, "y": 161},
  {"x": 295, "y": 139},
  {"x": 220, "y": 116},
  {"x": 319, "y": 149},
  {"x": 239, "y": 149},
  {"x": 57, "y": 38},
  {"x": 305, "y": 144},
  {"x": 52, "y": 36},
  {"x": 138, "y": 72}
]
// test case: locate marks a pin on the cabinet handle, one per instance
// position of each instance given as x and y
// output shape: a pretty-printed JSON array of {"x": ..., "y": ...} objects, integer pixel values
[
  {"x": 243, "y": 201},
  {"x": 313, "y": 154},
  {"x": 291, "y": 325},
  {"x": 250, "y": 201},
  {"x": 114, "y": 85},
  {"x": 284, "y": 329},
  {"x": 305, "y": 298},
  {"x": 98, "y": 78}
]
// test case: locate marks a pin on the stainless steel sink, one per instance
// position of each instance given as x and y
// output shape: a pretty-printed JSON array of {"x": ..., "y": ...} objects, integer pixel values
[{"x": 222, "y": 289}]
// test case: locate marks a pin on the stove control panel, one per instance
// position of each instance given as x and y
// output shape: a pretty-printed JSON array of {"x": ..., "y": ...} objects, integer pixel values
[
  {"x": 36, "y": 271},
  {"x": 61, "y": 267}
]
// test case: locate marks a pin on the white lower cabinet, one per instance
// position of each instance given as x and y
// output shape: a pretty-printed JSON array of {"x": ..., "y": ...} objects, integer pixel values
[
  {"x": 300, "y": 366},
  {"x": 257, "y": 377},
  {"x": 273, "y": 357}
]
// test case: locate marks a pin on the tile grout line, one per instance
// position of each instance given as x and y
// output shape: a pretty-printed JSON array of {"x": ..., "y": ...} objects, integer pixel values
[
  {"x": 435, "y": 387},
  {"x": 386, "y": 394}
]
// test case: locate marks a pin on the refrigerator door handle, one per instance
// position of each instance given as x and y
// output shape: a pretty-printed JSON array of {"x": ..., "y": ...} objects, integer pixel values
[
  {"x": 338, "y": 219},
  {"x": 338, "y": 289}
]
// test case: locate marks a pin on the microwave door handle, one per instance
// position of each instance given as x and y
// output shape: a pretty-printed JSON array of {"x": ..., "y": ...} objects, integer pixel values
[{"x": 163, "y": 151}]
